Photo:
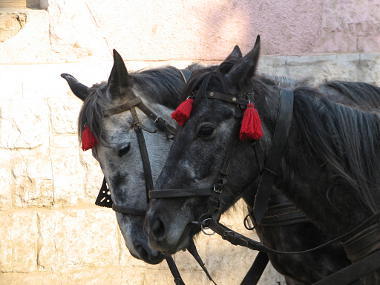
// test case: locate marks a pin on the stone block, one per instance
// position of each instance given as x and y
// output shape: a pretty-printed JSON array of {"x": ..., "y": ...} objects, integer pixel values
[
  {"x": 24, "y": 123},
  {"x": 67, "y": 171},
  {"x": 96, "y": 276},
  {"x": 33, "y": 178},
  {"x": 18, "y": 246},
  {"x": 369, "y": 68},
  {"x": 74, "y": 32},
  {"x": 75, "y": 239},
  {"x": 32, "y": 43},
  {"x": 64, "y": 114},
  {"x": 11, "y": 24},
  {"x": 30, "y": 279},
  {"x": 93, "y": 176},
  {"x": 6, "y": 179}
]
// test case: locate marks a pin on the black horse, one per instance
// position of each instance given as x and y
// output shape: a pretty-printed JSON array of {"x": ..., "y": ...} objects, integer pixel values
[{"x": 329, "y": 167}]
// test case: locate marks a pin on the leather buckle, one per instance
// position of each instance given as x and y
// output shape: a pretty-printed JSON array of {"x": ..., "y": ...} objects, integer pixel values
[
  {"x": 204, "y": 227},
  {"x": 217, "y": 189}
]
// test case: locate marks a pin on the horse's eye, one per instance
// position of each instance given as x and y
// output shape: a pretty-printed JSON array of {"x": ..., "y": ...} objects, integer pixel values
[
  {"x": 124, "y": 149},
  {"x": 205, "y": 130}
]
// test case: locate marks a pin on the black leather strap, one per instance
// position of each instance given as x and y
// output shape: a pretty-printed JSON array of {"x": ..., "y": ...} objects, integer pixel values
[
  {"x": 273, "y": 162},
  {"x": 354, "y": 271},
  {"x": 254, "y": 273},
  {"x": 238, "y": 239},
  {"x": 128, "y": 210},
  {"x": 174, "y": 270},
  {"x": 193, "y": 251},
  {"x": 363, "y": 243},
  {"x": 179, "y": 193},
  {"x": 122, "y": 108},
  {"x": 283, "y": 215},
  {"x": 227, "y": 98},
  {"x": 158, "y": 121},
  {"x": 144, "y": 153}
]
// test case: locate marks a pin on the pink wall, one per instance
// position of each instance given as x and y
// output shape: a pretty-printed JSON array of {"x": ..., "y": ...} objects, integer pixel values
[
  {"x": 207, "y": 29},
  {"x": 192, "y": 30}
]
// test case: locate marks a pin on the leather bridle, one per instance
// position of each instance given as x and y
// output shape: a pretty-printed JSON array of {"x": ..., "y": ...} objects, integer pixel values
[
  {"x": 267, "y": 173},
  {"x": 104, "y": 198},
  {"x": 366, "y": 230}
]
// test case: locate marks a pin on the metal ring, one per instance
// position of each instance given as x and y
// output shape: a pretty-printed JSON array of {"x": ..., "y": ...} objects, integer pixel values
[
  {"x": 248, "y": 224},
  {"x": 216, "y": 190},
  {"x": 204, "y": 228}
]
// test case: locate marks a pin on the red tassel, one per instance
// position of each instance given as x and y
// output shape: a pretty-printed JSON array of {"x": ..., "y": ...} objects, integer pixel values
[
  {"x": 251, "y": 124},
  {"x": 88, "y": 139},
  {"x": 183, "y": 111}
]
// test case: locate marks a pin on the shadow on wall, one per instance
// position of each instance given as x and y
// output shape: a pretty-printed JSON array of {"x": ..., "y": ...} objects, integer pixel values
[{"x": 37, "y": 4}]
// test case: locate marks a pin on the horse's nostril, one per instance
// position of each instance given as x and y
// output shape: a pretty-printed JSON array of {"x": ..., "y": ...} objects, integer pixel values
[
  {"x": 158, "y": 229},
  {"x": 142, "y": 252}
]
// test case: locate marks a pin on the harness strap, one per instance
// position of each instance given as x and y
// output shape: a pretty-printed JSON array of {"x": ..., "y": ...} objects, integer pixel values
[
  {"x": 227, "y": 98},
  {"x": 354, "y": 271},
  {"x": 283, "y": 215},
  {"x": 361, "y": 244},
  {"x": 128, "y": 210},
  {"x": 174, "y": 270},
  {"x": 238, "y": 239},
  {"x": 179, "y": 193},
  {"x": 193, "y": 251},
  {"x": 144, "y": 154},
  {"x": 254, "y": 273},
  {"x": 273, "y": 163},
  {"x": 137, "y": 102}
]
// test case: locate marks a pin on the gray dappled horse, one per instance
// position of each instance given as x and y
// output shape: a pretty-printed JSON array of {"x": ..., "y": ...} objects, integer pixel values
[
  {"x": 329, "y": 168},
  {"x": 117, "y": 150}
]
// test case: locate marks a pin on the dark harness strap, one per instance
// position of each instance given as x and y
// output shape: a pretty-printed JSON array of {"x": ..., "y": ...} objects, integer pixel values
[
  {"x": 144, "y": 153},
  {"x": 179, "y": 193},
  {"x": 283, "y": 215},
  {"x": 174, "y": 270},
  {"x": 354, "y": 271},
  {"x": 254, "y": 273},
  {"x": 273, "y": 162},
  {"x": 238, "y": 239}
]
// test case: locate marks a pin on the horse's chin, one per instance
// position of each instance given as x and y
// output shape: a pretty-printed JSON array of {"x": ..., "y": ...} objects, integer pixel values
[{"x": 174, "y": 245}]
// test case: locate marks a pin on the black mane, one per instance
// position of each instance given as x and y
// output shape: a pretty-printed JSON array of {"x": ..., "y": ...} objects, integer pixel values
[
  {"x": 347, "y": 139},
  {"x": 164, "y": 86},
  {"x": 363, "y": 95}
]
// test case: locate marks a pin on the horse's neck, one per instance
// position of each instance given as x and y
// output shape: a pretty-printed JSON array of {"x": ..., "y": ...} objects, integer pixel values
[{"x": 315, "y": 189}]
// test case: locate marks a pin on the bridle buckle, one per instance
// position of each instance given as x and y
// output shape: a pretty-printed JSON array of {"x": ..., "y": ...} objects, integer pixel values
[
  {"x": 217, "y": 189},
  {"x": 204, "y": 228}
]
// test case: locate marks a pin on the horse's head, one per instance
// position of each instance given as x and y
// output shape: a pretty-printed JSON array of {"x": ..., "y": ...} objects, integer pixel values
[
  {"x": 206, "y": 145},
  {"x": 106, "y": 113}
]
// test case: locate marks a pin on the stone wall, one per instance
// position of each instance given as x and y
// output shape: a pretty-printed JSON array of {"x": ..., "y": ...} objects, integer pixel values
[{"x": 50, "y": 231}]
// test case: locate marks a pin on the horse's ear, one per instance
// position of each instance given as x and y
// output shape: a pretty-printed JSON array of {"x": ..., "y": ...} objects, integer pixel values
[
  {"x": 236, "y": 52},
  {"x": 246, "y": 67},
  {"x": 80, "y": 90},
  {"x": 227, "y": 64},
  {"x": 119, "y": 75}
]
